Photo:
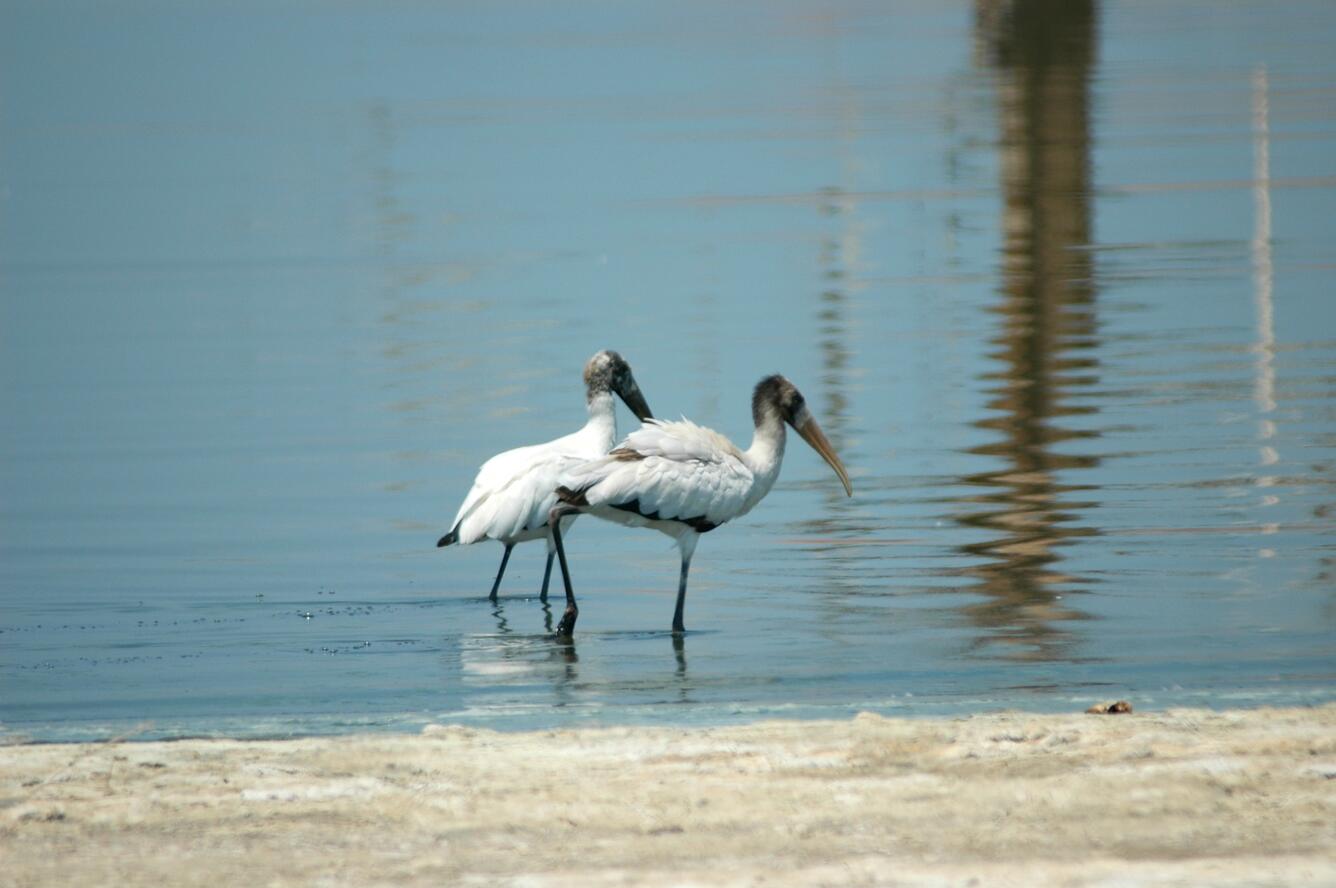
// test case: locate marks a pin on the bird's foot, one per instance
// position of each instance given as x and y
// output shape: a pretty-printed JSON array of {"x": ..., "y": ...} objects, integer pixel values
[{"x": 566, "y": 628}]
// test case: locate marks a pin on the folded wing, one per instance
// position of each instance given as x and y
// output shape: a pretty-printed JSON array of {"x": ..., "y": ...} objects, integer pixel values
[{"x": 666, "y": 470}]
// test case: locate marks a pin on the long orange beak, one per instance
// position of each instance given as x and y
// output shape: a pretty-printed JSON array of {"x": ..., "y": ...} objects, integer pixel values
[{"x": 813, "y": 435}]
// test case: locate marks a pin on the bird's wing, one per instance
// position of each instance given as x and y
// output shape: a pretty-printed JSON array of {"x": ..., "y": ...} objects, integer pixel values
[
  {"x": 513, "y": 492},
  {"x": 680, "y": 440},
  {"x": 668, "y": 470}
]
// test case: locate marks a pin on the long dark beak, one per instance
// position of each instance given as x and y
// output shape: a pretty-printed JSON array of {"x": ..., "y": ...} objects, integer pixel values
[
  {"x": 635, "y": 401},
  {"x": 813, "y": 435}
]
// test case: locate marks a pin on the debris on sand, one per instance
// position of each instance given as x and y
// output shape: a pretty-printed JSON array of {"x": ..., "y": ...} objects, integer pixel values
[{"x": 1118, "y": 707}]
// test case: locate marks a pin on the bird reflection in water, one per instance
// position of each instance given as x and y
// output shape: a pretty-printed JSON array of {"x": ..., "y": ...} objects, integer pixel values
[
  {"x": 1039, "y": 54},
  {"x": 680, "y": 654},
  {"x": 499, "y": 612},
  {"x": 508, "y": 655}
]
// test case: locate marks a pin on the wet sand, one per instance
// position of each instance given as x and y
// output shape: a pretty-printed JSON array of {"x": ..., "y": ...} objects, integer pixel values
[{"x": 1183, "y": 797}]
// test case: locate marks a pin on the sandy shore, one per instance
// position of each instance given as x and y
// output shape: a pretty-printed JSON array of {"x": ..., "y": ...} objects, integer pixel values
[{"x": 1175, "y": 798}]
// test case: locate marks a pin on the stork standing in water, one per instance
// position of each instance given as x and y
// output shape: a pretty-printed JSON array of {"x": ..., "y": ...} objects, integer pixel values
[
  {"x": 684, "y": 480},
  {"x": 514, "y": 491}
]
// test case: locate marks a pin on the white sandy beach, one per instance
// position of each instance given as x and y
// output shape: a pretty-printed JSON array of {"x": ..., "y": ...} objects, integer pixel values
[{"x": 1183, "y": 797}]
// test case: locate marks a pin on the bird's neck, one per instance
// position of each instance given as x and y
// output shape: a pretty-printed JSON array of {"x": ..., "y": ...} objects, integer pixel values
[
  {"x": 602, "y": 417},
  {"x": 765, "y": 454}
]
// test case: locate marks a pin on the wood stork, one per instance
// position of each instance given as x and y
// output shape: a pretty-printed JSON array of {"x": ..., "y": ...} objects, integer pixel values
[
  {"x": 685, "y": 480},
  {"x": 514, "y": 491}
]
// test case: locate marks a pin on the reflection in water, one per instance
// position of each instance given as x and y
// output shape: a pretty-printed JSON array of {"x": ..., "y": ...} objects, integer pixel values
[
  {"x": 509, "y": 659},
  {"x": 565, "y": 653},
  {"x": 680, "y": 654},
  {"x": 500, "y": 667},
  {"x": 1264, "y": 384},
  {"x": 502, "y": 624},
  {"x": 840, "y": 260},
  {"x": 1041, "y": 53}
]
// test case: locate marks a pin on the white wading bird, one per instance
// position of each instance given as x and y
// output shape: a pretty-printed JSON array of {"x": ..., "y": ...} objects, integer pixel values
[
  {"x": 514, "y": 491},
  {"x": 684, "y": 480}
]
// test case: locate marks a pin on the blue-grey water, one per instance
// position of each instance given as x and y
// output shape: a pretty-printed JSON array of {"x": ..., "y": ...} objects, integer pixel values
[{"x": 1058, "y": 279}]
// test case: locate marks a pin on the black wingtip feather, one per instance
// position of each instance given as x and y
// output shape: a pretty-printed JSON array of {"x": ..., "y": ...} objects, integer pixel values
[{"x": 446, "y": 540}]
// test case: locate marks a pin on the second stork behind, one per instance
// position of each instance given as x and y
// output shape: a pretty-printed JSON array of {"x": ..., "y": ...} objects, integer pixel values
[{"x": 514, "y": 491}]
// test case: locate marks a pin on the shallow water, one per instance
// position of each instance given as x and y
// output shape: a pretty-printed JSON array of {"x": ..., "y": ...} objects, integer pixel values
[{"x": 274, "y": 281}]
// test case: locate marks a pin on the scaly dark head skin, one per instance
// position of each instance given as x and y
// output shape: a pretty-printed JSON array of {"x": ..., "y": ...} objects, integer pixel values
[
  {"x": 775, "y": 399},
  {"x": 776, "y": 396},
  {"x": 608, "y": 371}
]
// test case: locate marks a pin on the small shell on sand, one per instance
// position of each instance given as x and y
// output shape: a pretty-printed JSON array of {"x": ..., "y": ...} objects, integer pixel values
[{"x": 1117, "y": 707}]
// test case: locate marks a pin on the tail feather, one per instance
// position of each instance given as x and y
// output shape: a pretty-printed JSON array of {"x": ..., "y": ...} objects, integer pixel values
[{"x": 451, "y": 537}]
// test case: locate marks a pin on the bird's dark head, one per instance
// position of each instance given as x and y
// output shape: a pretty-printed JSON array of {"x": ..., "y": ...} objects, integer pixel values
[
  {"x": 775, "y": 398},
  {"x": 608, "y": 371}
]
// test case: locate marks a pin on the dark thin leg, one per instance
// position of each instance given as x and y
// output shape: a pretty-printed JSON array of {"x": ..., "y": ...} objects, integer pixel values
[
  {"x": 547, "y": 575},
  {"x": 500, "y": 571},
  {"x": 681, "y": 598},
  {"x": 567, "y": 625}
]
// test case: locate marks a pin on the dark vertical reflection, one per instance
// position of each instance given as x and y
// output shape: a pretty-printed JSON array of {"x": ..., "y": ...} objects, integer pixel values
[
  {"x": 839, "y": 259},
  {"x": 837, "y": 255},
  {"x": 1040, "y": 53},
  {"x": 832, "y": 324},
  {"x": 390, "y": 227},
  {"x": 682, "y": 680},
  {"x": 840, "y": 244}
]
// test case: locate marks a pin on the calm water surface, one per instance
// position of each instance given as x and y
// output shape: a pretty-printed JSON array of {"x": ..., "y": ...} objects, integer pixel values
[{"x": 274, "y": 281}]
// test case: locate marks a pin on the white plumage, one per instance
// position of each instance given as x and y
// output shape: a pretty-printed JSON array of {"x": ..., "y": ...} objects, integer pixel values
[
  {"x": 683, "y": 480},
  {"x": 514, "y": 491},
  {"x": 675, "y": 472}
]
